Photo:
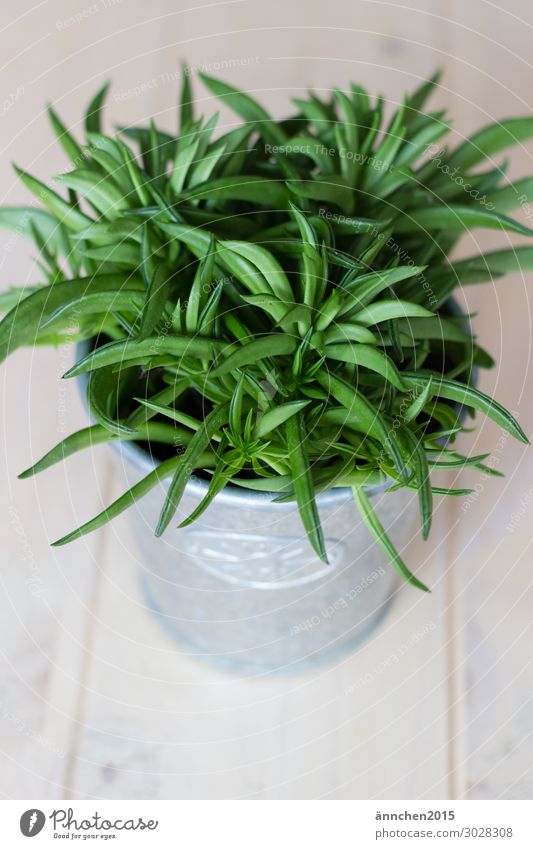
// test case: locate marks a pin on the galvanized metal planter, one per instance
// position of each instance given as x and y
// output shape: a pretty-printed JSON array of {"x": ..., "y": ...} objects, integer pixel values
[{"x": 242, "y": 586}]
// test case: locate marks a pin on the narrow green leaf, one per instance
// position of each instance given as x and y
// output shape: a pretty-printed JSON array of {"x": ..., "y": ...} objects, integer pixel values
[
  {"x": 99, "y": 191},
  {"x": 21, "y": 219},
  {"x": 66, "y": 139},
  {"x": 94, "y": 111},
  {"x": 421, "y": 468},
  {"x": 186, "y": 149},
  {"x": 165, "y": 396},
  {"x": 103, "y": 393},
  {"x": 418, "y": 98},
  {"x": 377, "y": 530},
  {"x": 235, "y": 407},
  {"x": 298, "y": 314},
  {"x": 329, "y": 189},
  {"x": 303, "y": 484},
  {"x": 452, "y": 390},
  {"x": 313, "y": 271},
  {"x": 435, "y": 328},
  {"x": 364, "y": 288},
  {"x": 266, "y": 264},
  {"x": 385, "y": 310},
  {"x": 247, "y": 108},
  {"x": 512, "y": 196},
  {"x": 186, "y": 115},
  {"x": 266, "y": 346},
  {"x": 11, "y": 297},
  {"x": 369, "y": 357},
  {"x": 21, "y": 325},
  {"x": 73, "y": 310},
  {"x": 208, "y": 317},
  {"x": 131, "y": 351},
  {"x": 345, "y": 332},
  {"x": 188, "y": 461},
  {"x": 196, "y": 239},
  {"x": 200, "y": 288},
  {"x": 121, "y": 253},
  {"x": 490, "y": 140},
  {"x": 85, "y": 438},
  {"x": 130, "y": 497},
  {"x": 418, "y": 144},
  {"x": 252, "y": 188},
  {"x": 363, "y": 415},
  {"x": 385, "y": 153},
  {"x": 222, "y": 475},
  {"x": 205, "y": 166},
  {"x": 172, "y": 413},
  {"x": 456, "y": 461},
  {"x": 157, "y": 294},
  {"x": 97, "y": 434},
  {"x": 456, "y": 219},
  {"x": 272, "y": 419},
  {"x": 62, "y": 209},
  {"x": 478, "y": 269},
  {"x": 279, "y": 483},
  {"x": 419, "y": 402},
  {"x": 307, "y": 145}
]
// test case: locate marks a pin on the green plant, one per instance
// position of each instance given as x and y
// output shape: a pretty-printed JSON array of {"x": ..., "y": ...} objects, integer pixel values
[{"x": 271, "y": 305}]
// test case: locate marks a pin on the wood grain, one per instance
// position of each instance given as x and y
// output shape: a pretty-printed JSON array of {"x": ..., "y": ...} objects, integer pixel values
[{"x": 95, "y": 700}]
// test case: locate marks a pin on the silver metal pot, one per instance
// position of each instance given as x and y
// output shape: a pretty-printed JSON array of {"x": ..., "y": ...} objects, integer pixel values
[{"x": 242, "y": 586}]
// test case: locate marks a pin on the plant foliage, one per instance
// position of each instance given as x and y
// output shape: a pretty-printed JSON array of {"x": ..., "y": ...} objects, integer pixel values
[{"x": 269, "y": 306}]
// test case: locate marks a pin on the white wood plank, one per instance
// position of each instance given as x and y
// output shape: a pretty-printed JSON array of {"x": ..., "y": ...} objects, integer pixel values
[
  {"x": 44, "y": 590},
  {"x": 493, "y": 747}
]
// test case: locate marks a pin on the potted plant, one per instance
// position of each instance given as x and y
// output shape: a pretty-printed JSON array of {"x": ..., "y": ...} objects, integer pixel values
[{"x": 267, "y": 329}]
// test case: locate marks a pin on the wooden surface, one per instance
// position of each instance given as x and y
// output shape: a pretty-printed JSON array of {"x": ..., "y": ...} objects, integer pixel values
[{"x": 95, "y": 700}]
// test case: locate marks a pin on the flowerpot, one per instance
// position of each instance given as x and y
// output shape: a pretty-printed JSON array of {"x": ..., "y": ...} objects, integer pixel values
[{"x": 242, "y": 586}]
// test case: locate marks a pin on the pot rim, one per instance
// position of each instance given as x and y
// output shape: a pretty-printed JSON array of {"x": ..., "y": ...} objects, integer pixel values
[
  {"x": 230, "y": 495},
  {"x": 234, "y": 495}
]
